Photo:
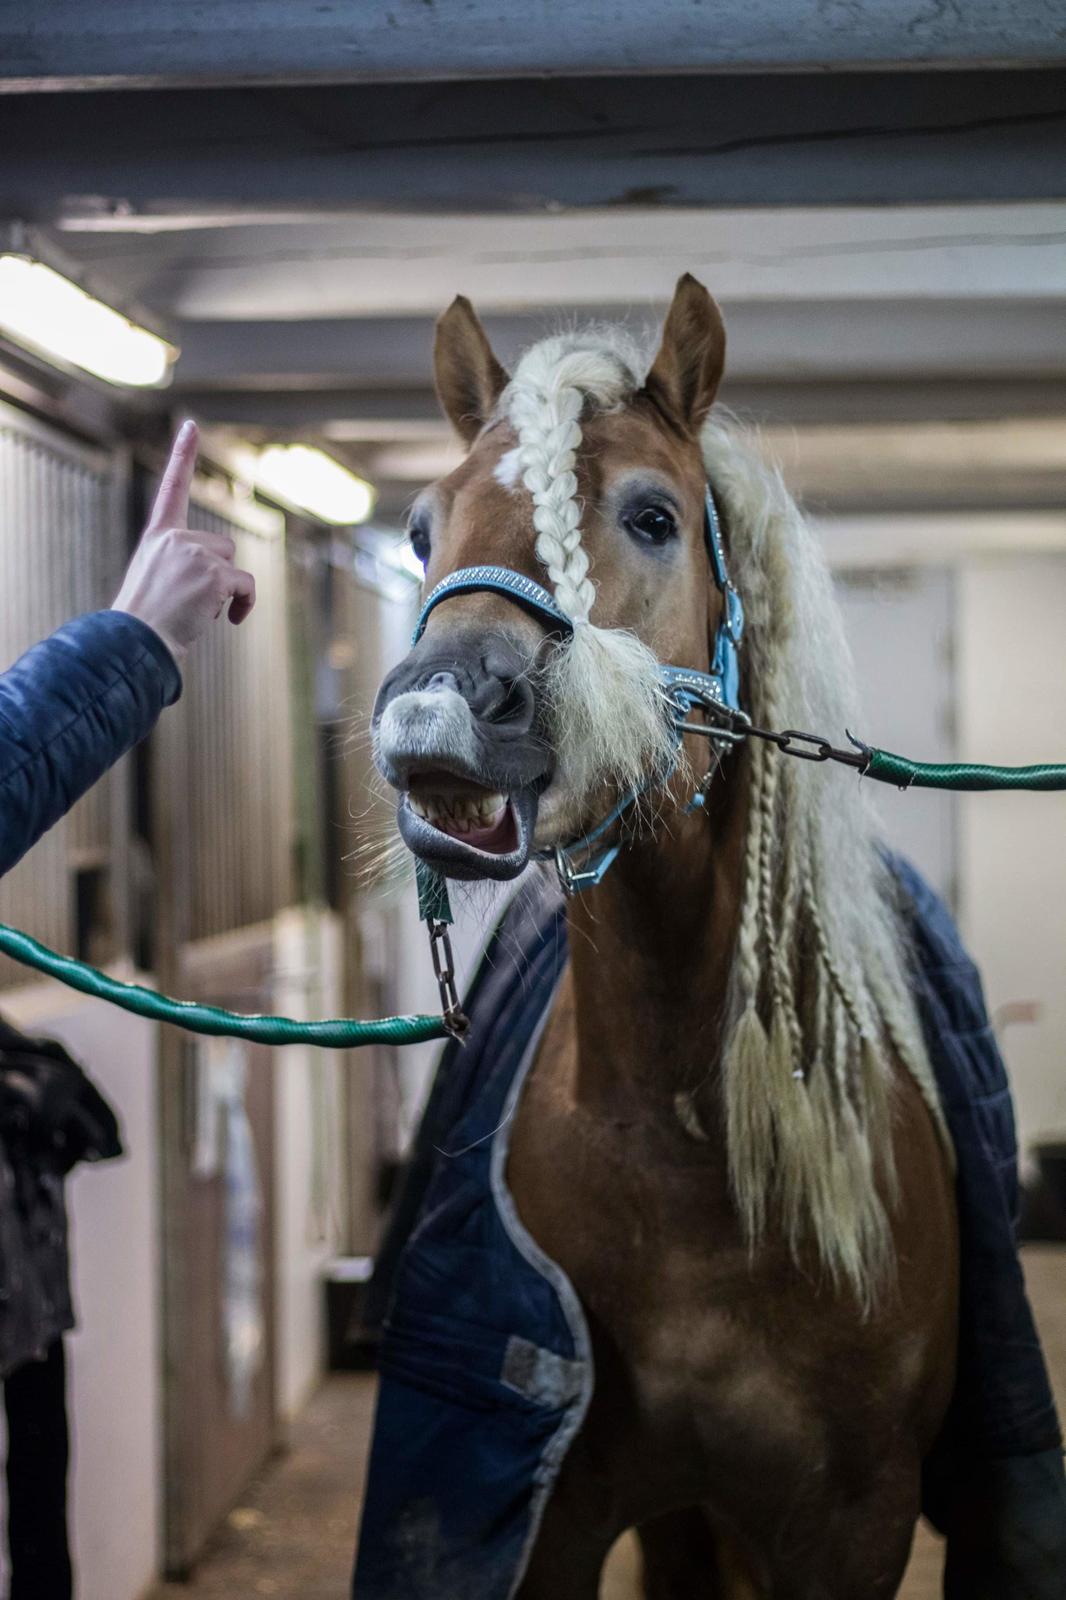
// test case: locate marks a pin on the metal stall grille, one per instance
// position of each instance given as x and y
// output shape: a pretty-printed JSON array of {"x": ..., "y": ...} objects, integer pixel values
[
  {"x": 237, "y": 735},
  {"x": 61, "y": 551},
  {"x": 222, "y": 783}
]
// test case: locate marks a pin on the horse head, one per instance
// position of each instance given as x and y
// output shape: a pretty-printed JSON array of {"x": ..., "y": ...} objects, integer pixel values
[{"x": 508, "y": 727}]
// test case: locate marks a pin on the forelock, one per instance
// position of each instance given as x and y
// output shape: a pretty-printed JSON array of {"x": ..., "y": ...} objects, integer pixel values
[{"x": 603, "y": 364}]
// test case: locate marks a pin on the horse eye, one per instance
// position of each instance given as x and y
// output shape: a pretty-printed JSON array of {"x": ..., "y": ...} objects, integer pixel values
[
  {"x": 652, "y": 524},
  {"x": 418, "y": 536}
]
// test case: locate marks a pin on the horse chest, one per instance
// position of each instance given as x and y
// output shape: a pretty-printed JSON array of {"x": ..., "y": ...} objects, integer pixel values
[
  {"x": 637, "y": 1213},
  {"x": 640, "y": 1221}
]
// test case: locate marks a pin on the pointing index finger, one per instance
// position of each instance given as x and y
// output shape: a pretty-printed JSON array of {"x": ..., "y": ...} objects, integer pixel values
[{"x": 171, "y": 507}]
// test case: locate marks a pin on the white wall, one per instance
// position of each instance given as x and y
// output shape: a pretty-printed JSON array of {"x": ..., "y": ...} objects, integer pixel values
[
  {"x": 308, "y": 1149},
  {"x": 1012, "y": 710},
  {"x": 114, "y": 1356},
  {"x": 900, "y": 627},
  {"x": 1007, "y": 684}
]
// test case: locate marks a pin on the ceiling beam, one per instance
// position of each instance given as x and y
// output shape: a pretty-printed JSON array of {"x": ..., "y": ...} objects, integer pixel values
[
  {"x": 813, "y": 340},
  {"x": 526, "y": 146},
  {"x": 369, "y": 415},
  {"x": 942, "y": 538},
  {"x": 382, "y": 264},
  {"x": 80, "y": 44}
]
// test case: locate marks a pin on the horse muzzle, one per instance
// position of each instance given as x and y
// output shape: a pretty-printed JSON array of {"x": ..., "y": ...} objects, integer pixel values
[{"x": 455, "y": 733}]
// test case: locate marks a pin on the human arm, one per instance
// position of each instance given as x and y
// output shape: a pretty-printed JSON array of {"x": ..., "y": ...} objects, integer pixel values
[{"x": 69, "y": 708}]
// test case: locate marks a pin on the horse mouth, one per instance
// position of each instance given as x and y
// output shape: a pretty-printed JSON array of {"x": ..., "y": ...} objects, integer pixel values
[{"x": 466, "y": 829}]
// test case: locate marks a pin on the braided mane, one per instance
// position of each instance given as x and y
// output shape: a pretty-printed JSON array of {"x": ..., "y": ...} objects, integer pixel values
[{"x": 604, "y": 686}]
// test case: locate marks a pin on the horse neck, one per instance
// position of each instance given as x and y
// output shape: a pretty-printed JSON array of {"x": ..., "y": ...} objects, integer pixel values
[{"x": 651, "y": 954}]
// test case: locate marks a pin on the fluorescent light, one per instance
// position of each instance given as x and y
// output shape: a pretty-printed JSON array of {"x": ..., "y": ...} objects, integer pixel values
[
  {"x": 309, "y": 478},
  {"x": 39, "y": 307}
]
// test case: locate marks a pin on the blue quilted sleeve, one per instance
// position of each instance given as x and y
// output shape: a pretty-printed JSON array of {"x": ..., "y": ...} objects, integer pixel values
[{"x": 69, "y": 708}]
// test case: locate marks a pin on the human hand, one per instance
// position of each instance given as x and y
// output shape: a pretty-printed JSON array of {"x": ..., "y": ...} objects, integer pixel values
[{"x": 180, "y": 581}]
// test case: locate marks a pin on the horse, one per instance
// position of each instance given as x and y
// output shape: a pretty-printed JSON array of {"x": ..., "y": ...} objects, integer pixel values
[{"x": 730, "y": 1139}]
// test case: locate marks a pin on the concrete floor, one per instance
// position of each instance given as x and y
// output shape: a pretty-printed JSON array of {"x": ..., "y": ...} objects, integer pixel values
[{"x": 293, "y": 1533}]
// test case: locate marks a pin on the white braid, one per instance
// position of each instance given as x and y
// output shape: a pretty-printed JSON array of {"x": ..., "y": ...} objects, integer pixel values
[
  {"x": 825, "y": 1174},
  {"x": 545, "y": 402},
  {"x": 604, "y": 685}
]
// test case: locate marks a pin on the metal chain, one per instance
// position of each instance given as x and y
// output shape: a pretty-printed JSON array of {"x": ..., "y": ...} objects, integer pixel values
[
  {"x": 735, "y": 727},
  {"x": 822, "y": 749},
  {"x": 440, "y": 948}
]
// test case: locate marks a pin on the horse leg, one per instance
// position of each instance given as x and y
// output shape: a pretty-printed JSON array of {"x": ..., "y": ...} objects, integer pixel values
[
  {"x": 684, "y": 1558},
  {"x": 859, "y": 1551}
]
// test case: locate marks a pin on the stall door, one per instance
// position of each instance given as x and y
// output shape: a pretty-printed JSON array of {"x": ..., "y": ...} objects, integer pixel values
[{"x": 219, "y": 1142}]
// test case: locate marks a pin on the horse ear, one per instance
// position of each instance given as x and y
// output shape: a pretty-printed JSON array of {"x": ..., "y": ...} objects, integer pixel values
[
  {"x": 469, "y": 378},
  {"x": 685, "y": 374}
]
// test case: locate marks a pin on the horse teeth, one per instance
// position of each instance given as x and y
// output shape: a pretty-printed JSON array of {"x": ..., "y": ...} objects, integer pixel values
[{"x": 461, "y": 811}]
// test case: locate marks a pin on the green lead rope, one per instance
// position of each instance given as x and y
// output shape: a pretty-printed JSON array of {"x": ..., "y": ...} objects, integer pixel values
[
  {"x": 888, "y": 768},
  {"x": 341, "y": 1033},
  {"x": 345, "y": 1033},
  {"x": 337, "y": 1033}
]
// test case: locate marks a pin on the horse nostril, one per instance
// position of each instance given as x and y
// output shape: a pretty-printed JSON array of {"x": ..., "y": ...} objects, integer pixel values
[
  {"x": 516, "y": 708},
  {"x": 441, "y": 680}
]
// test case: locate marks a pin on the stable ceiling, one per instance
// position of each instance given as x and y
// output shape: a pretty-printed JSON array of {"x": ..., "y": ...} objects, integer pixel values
[{"x": 888, "y": 241}]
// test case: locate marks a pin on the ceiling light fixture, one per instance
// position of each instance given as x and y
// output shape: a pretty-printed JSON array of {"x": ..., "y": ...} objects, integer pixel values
[
  {"x": 42, "y": 309},
  {"x": 309, "y": 478}
]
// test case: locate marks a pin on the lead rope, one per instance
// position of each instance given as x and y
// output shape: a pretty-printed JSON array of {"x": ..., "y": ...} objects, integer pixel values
[
  {"x": 337, "y": 1033},
  {"x": 347, "y": 1033},
  {"x": 882, "y": 765}
]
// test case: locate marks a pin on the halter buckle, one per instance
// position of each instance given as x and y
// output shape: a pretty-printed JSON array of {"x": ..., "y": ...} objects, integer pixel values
[{"x": 573, "y": 879}]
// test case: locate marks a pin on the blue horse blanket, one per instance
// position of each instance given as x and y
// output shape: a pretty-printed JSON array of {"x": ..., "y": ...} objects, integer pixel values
[{"x": 486, "y": 1368}]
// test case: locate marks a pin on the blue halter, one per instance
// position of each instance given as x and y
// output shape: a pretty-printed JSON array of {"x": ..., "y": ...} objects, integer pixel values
[{"x": 684, "y": 688}]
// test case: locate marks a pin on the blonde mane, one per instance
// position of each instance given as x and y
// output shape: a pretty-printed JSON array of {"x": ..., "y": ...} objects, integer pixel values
[{"x": 819, "y": 1001}]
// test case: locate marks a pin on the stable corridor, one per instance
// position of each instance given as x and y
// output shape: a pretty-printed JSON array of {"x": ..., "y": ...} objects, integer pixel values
[{"x": 294, "y": 1531}]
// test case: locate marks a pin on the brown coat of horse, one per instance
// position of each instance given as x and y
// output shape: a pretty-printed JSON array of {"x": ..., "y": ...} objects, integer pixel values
[{"x": 760, "y": 1429}]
